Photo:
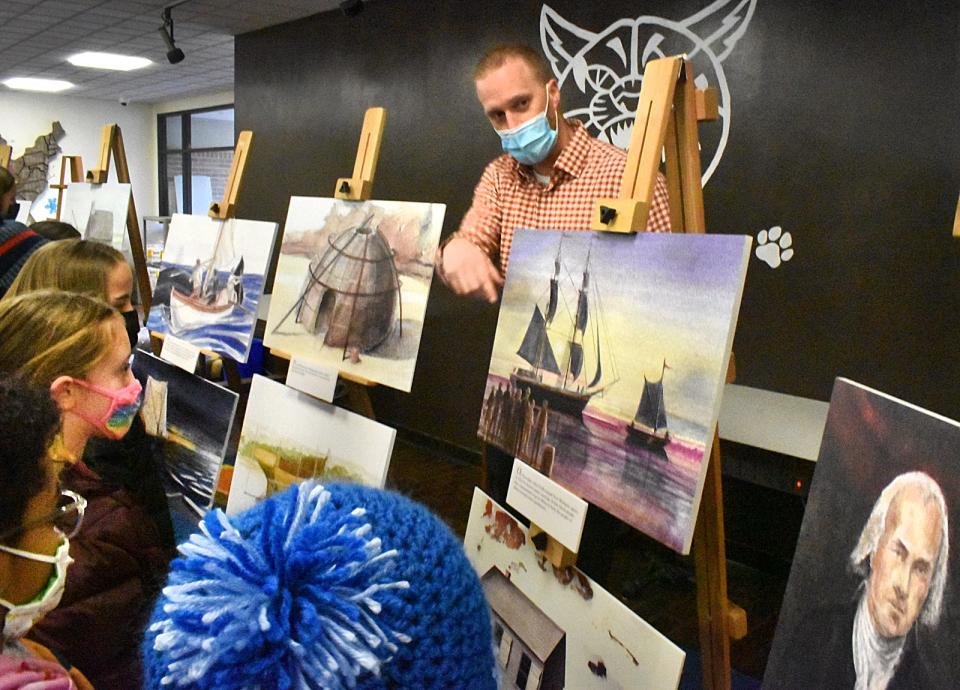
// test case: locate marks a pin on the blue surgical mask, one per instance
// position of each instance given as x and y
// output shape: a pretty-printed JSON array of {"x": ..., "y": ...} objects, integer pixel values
[{"x": 531, "y": 142}]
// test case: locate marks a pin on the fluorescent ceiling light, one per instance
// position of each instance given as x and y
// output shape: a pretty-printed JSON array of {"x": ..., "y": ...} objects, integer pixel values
[
  {"x": 32, "y": 84},
  {"x": 123, "y": 63}
]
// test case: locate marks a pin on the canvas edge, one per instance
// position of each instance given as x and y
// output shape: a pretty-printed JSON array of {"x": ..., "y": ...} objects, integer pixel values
[{"x": 718, "y": 393}]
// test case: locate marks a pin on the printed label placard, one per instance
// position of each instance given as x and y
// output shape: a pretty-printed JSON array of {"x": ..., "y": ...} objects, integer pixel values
[
  {"x": 548, "y": 505},
  {"x": 180, "y": 353},
  {"x": 312, "y": 378}
]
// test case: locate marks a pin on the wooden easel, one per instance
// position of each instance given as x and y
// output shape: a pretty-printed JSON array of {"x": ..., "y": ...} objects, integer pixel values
[
  {"x": 75, "y": 165},
  {"x": 225, "y": 210},
  {"x": 359, "y": 187},
  {"x": 667, "y": 117},
  {"x": 111, "y": 141},
  {"x": 6, "y": 153},
  {"x": 956, "y": 221},
  {"x": 227, "y": 207}
]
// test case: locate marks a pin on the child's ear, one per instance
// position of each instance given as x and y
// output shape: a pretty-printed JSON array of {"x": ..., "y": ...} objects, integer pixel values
[{"x": 64, "y": 392}]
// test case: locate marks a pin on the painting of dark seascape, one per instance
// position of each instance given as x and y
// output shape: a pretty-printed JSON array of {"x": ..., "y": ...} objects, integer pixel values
[
  {"x": 608, "y": 364},
  {"x": 872, "y": 595},
  {"x": 190, "y": 420}
]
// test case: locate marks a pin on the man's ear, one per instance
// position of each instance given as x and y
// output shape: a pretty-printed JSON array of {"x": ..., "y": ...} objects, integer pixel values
[
  {"x": 64, "y": 392},
  {"x": 553, "y": 89}
]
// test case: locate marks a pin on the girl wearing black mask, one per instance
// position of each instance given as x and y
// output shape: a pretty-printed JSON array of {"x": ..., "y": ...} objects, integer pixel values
[{"x": 98, "y": 270}]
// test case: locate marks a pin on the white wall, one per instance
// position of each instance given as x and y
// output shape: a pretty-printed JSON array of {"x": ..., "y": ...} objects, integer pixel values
[{"x": 25, "y": 116}]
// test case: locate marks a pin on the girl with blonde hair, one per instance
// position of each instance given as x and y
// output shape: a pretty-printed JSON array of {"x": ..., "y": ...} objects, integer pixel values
[
  {"x": 76, "y": 347},
  {"x": 99, "y": 270},
  {"x": 90, "y": 268}
]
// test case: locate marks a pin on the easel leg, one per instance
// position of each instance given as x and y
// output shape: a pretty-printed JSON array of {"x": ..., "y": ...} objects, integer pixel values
[
  {"x": 484, "y": 469},
  {"x": 232, "y": 373},
  {"x": 719, "y": 619},
  {"x": 358, "y": 399}
]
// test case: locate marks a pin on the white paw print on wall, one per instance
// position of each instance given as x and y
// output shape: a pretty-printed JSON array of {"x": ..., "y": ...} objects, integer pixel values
[{"x": 774, "y": 246}]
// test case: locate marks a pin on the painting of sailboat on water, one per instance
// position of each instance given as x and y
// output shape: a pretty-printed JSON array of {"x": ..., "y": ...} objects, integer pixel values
[
  {"x": 190, "y": 421},
  {"x": 608, "y": 364},
  {"x": 288, "y": 436},
  {"x": 211, "y": 281},
  {"x": 352, "y": 285}
]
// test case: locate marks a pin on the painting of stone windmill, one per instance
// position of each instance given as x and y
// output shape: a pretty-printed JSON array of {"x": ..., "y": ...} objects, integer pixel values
[{"x": 352, "y": 284}]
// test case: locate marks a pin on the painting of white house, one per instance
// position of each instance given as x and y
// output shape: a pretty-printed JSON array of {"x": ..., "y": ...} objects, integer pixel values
[{"x": 556, "y": 628}]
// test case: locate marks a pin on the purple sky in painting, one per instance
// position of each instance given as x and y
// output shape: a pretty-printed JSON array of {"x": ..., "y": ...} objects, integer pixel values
[{"x": 664, "y": 296}]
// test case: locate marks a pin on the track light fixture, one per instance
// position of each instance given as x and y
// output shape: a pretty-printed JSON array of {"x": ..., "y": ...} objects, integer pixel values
[{"x": 174, "y": 54}]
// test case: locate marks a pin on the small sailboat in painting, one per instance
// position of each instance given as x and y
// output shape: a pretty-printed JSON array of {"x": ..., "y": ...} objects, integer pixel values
[
  {"x": 563, "y": 389},
  {"x": 649, "y": 425},
  {"x": 212, "y": 297}
]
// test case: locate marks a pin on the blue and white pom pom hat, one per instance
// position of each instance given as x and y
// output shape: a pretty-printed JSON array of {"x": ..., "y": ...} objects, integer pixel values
[{"x": 322, "y": 586}]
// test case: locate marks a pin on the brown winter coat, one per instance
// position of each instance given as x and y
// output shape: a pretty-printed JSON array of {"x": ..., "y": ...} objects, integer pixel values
[{"x": 119, "y": 565}]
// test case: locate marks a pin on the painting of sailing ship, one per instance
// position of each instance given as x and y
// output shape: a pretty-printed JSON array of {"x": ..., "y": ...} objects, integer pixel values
[
  {"x": 608, "y": 365},
  {"x": 352, "y": 284},
  {"x": 557, "y": 628},
  {"x": 288, "y": 436},
  {"x": 189, "y": 420},
  {"x": 98, "y": 212},
  {"x": 211, "y": 281}
]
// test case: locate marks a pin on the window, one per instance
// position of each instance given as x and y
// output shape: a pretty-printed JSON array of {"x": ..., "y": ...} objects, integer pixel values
[
  {"x": 497, "y": 634},
  {"x": 523, "y": 671},
  {"x": 196, "y": 150}
]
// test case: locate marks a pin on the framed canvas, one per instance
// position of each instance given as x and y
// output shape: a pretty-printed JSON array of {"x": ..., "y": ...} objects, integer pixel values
[
  {"x": 557, "y": 628},
  {"x": 211, "y": 281},
  {"x": 352, "y": 285},
  {"x": 871, "y": 599},
  {"x": 190, "y": 420},
  {"x": 288, "y": 436},
  {"x": 608, "y": 364},
  {"x": 98, "y": 212}
]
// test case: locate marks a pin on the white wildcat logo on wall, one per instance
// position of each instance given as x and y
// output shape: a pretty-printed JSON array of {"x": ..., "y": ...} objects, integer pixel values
[{"x": 607, "y": 66}]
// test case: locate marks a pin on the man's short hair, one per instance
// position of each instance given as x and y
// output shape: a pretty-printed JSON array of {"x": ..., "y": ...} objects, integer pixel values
[
  {"x": 873, "y": 530},
  {"x": 500, "y": 53}
]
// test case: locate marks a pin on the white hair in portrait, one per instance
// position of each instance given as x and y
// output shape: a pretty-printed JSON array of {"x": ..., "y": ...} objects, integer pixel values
[{"x": 873, "y": 530}]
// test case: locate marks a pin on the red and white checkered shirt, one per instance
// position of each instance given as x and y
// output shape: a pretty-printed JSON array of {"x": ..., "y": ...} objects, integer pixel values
[{"x": 509, "y": 196}]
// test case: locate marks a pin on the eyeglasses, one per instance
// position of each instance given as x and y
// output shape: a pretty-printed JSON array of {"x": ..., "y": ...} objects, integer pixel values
[{"x": 66, "y": 519}]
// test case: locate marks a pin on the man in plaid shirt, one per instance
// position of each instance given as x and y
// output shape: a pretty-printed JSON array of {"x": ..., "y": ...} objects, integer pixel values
[
  {"x": 551, "y": 173},
  {"x": 561, "y": 172}
]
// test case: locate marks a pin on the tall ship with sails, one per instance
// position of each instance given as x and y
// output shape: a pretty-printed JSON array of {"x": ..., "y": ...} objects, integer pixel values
[
  {"x": 649, "y": 425},
  {"x": 212, "y": 297},
  {"x": 564, "y": 388}
]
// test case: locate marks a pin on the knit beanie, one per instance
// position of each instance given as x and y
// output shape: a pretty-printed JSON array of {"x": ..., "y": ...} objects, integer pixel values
[{"x": 321, "y": 586}]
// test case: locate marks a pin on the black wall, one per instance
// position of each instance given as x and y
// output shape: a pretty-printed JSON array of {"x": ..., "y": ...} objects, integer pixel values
[{"x": 843, "y": 131}]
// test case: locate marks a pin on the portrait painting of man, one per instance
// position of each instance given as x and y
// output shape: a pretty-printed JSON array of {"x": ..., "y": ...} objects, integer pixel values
[{"x": 869, "y": 604}]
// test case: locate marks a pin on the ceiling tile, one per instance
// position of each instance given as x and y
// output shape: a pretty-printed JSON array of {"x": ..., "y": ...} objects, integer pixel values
[{"x": 36, "y": 38}]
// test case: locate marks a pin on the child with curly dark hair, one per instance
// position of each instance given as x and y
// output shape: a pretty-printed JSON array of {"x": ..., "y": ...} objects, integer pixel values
[{"x": 36, "y": 523}]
